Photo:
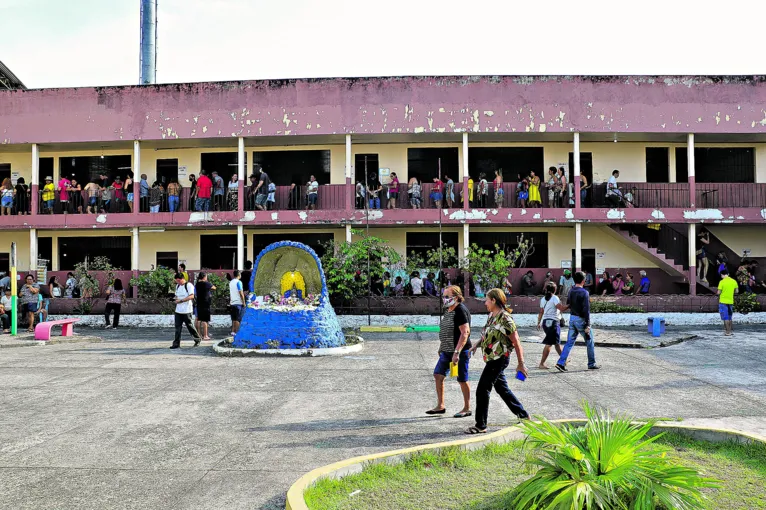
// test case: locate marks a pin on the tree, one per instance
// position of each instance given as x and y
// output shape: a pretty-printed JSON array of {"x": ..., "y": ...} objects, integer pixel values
[
  {"x": 90, "y": 288},
  {"x": 156, "y": 286},
  {"x": 345, "y": 264},
  {"x": 488, "y": 267}
]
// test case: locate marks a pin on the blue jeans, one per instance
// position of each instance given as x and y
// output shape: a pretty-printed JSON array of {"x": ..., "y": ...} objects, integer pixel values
[
  {"x": 203, "y": 204},
  {"x": 375, "y": 203},
  {"x": 173, "y": 203},
  {"x": 577, "y": 327}
]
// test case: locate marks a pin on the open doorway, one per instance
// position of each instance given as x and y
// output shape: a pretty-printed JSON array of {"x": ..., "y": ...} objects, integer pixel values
[
  {"x": 586, "y": 166},
  {"x": 370, "y": 161},
  {"x": 167, "y": 170},
  {"x": 5, "y": 171},
  {"x": 288, "y": 167},
  {"x": 219, "y": 251},
  {"x": 424, "y": 163},
  {"x": 588, "y": 261}
]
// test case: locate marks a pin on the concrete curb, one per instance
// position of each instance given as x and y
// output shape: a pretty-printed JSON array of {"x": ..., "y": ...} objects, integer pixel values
[
  {"x": 295, "y": 500},
  {"x": 221, "y": 349},
  {"x": 10, "y": 344},
  {"x": 600, "y": 320}
]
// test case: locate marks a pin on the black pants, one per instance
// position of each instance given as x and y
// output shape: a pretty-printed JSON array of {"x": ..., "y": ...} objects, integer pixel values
[
  {"x": 494, "y": 376},
  {"x": 6, "y": 321},
  {"x": 181, "y": 319},
  {"x": 116, "y": 307}
]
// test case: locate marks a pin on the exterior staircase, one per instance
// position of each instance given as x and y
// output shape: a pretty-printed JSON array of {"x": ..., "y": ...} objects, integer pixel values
[{"x": 669, "y": 260}]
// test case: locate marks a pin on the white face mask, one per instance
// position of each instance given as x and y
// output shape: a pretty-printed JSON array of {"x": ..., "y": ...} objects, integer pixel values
[{"x": 449, "y": 301}]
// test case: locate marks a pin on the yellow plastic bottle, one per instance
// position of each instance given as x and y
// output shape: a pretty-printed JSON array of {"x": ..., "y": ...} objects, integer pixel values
[{"x": 452, "y": 369}]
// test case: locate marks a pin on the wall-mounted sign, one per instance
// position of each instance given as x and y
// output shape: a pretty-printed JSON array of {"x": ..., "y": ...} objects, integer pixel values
[
  {"x": 601, "y": 255},
  {"x": 600, "y": 270},
  {"x": 15, "y": 177},
  {"x": 566, "y": 264},
  {"x": 183, "y": 174},
  {"x": 384, "y": 174}
]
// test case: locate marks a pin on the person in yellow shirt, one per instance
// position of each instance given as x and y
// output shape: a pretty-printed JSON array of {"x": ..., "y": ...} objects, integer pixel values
[
  {"x": 49, "y": 194},
  {"x": 727, "y": 287}
]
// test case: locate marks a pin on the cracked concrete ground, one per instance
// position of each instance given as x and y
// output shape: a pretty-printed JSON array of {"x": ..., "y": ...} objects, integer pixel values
[{"x": 127, "y": 423}]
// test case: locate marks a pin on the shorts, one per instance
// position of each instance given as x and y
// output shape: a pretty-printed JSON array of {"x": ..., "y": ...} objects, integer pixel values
[
  {"x": 523, "y": 195},
  {"x": 552, "y": 330},
  {"x": 436, "y": 196},
  {"x": 49, "y": 204},
  {"x": 154, "y": 208},
  {"x": 313, "y": 199},
  {"x": 7, "y": 202},
  {"x": 203, "y": 314},
  {"x": 726, "y": 311},
  {"x": 130, "y": 197},
  {"x": 29, "y": 307},
  {"x": 92, "y": 201},
  {"x": 261, "y": 199},
  {"x": 445, "y": 358},
  {"x": 236, "y": 311},
  {"x": 393, "y": 194}
]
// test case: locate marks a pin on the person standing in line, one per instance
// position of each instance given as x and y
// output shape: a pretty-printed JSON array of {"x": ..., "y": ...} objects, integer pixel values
[
  {"x": 63, "y": 189},
  {"x": 7, "y": 197},
  {"x": 128, "y": 189},
  {"x": 454, "y": 348},
  {"x": 115, "y": 297},
  {"x": 550, "y": 319},
  {"x": 22, "y": 197},
  {"x": 498, "y": 184},
  {"x": 483, "y": 191},
  {"x": 528, "y": 284},
  {"x": 30, "y": 301},
  {"x": 552, "y": 185},
  {"x": 498, "y": 338},
  {"x": 414, "y": 192},
  {"x": 182, "y": 270},
  {"x": 92, "y": 190},
  {"x": 312, "y": 193},
  {"x": 232, "y": 193},
  {"x": 374, "y": 187},
  {"x": 262, "y": 189},
  {"x": 247, "y": 274},
  {"x": 204, "y": 192},
  {"x": 218, "y": 191},
  {"x": 203, "y": 290},
  {"x": 183, "y": 314},
  {"x": 579, "y": 323},
  {"x": 70, "y": 284},
  {"x": 584, "y": 186},
  {"x": 393, "y": 191},
  {"x": 436, "y": 193},
  {"x": 174, "y": 195},
  {"x": 703, "y": 240},
  {"x": 416, "y": 283},
  {"x": 727, "y": 287},
  {"x": 193, "y": 193},
  {"x": 360, "y": 192},
  {"x": 449, "y": 191},
  {"x": 564, "y": 187},
  {"x": 143, "y": 193},
  {"x": 566, "y": 282},
  {"x": 630, "y": 286},
  {"x": 155, "y": 197},
  {"x": 236, "y": 301},
  {"x": 75, "y": 196},
  {"x": 588, "y": 281},
  {"x": 618, "y": 284},
  {"x": 535, "y": 200},
  {"x": 644, "y": 284},
  {"x": 271, "y": 199},
  {"x": 49, "y": 195}
]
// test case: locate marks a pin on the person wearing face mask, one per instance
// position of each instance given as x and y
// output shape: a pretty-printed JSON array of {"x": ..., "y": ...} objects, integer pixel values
[{"x": 454, "y": 347}]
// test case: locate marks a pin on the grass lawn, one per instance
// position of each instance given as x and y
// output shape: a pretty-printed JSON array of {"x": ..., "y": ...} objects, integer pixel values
[{"x": 482, "y": 479}]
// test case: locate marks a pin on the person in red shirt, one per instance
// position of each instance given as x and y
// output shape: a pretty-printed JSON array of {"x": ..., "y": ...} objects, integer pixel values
[{"x": 204, "y": 191}]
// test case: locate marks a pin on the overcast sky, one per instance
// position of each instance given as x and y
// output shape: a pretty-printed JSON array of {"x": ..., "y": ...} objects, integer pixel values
[{"x": 49, "y": 43}]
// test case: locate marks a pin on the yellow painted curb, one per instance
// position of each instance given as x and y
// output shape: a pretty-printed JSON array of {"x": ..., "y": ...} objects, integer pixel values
[
  {"x": 295, "y": 500},
  {"x": 383, "y": 329}
]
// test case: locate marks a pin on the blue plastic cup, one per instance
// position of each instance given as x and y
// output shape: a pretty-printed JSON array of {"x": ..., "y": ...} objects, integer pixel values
[{"x": 520, "y": 376}]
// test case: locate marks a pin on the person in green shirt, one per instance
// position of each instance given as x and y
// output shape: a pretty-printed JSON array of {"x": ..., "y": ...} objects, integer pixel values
[{"x": 727, "y": 287}]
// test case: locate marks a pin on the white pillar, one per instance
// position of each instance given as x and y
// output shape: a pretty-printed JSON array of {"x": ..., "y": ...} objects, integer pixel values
[
  {"x": 466, "y": 239},
  {"x": 348, "y": 157},
  {"x": 693, "y": 259},
  {"x": 348, "y": 233},
  {"x": 33, "y": 249},
  {"x": 241, "y": 247},
  {"x": 690, "y": 170},
  {"x": 241, "y": 159},
  {"x": 35, "y": 165},
  {"x": 578, "y": 247},
  {"x": 135, "y": 252}
]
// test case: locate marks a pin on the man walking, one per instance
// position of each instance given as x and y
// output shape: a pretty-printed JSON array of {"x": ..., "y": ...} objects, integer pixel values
[
  {"x": 579, "y": 323},
  {"x": 727, "y": 287},
  {"x": 236, "y": 301},
  {"x": 183, "y": 315}
]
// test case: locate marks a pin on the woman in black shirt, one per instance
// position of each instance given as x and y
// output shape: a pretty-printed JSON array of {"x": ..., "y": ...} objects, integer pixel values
[{"x": 21, "y": 199}]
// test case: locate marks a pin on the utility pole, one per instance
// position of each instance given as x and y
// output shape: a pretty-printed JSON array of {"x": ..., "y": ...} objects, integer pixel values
[
  {"x": 367, "y": 227},
  {"x": 441, "y": 273}
]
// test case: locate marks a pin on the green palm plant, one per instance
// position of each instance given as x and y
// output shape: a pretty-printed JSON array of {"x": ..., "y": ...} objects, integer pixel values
[{"x": 609, "y": 463}]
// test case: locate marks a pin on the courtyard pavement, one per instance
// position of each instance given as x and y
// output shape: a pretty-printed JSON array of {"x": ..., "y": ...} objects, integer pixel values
[{"x": 127, "y": 423}]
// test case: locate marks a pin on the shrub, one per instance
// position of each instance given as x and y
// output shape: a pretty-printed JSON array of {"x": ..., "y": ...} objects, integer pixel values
[
  {"x": 88, "y": 284},
  {"x": 157, "y": 286},
  {"x": 221, "y": 292},
  {"x": 609, "y": 307},
  {"x": 608, "y": 463},
  {"x": 746, "y": 303}
]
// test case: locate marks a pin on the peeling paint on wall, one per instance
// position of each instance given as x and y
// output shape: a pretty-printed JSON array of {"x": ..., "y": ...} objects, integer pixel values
[{"x": 703, "y": 214}]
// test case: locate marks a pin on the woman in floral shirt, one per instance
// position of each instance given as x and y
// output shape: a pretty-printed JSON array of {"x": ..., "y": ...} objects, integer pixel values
[{"x": 498, "y": 339}]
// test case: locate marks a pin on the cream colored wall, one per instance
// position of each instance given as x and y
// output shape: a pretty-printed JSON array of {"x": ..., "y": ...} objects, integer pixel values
[
  {"x": 394, "y": 156},
  {"x": 616, "y": 254},
  {"x": 186, "y": 243},
  {"x": 20, "y": 162},
  {"x": 740, "y": 238},
  {"x": 397, "y": 237},
  {"x": 21, "y": 238}
]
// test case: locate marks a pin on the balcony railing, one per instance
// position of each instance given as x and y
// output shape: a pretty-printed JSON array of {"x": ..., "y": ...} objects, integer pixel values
[
  {"x": 329, "y": 196},
  {"x": 643, "y": 194},
  {"x": 715, "y": 195}
]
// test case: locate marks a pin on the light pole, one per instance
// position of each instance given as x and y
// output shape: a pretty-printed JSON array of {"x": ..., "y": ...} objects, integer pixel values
[{"x": 367, "y": 228}]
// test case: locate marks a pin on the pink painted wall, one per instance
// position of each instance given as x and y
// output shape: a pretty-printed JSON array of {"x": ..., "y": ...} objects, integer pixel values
[{"x": 385, "y": 105}]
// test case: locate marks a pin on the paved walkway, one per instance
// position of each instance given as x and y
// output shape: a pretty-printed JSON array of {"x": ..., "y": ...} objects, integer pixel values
[{"x": 127, "y": 423}]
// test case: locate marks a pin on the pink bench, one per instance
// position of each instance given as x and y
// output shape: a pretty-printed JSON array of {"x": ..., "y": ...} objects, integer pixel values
[{"x": 43, "y": 330}]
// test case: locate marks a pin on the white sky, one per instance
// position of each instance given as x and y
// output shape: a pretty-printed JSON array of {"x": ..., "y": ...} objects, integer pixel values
[{"x": 49, "y": 43}]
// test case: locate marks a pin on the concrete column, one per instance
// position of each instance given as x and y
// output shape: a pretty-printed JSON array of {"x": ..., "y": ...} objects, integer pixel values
[
  {"x": 576, "y": 176},
  {"x": 690, "y": 170},
  {"x": 241, "y": 247},
  {"x": 465, "y": 173},
  {"x": 35, "y": 202},
  {"x": 134, "y": 246},
  {"x": 578, "y": 246},
  {"x": 466, "y": 247},
  {"x": 241, "y": 177},
  {"x": 349, "y": 175},
  {"x": 348, "y": 233},
  {"x": 33, "y": 251},
  {"x": 692, "y": 259},
  {"x": 136, "y": 181}
]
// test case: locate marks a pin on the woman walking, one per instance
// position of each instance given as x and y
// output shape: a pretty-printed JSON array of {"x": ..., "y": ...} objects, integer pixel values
[
  {"x": 115, "y": 296},
  {"x": 454, "y": 349},
  {"x": 498, "y": 339},
  {"x": 550, "y": 319}
]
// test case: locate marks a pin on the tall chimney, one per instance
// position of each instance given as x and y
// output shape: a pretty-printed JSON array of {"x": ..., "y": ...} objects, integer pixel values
[{"x": 148, "y": 42}]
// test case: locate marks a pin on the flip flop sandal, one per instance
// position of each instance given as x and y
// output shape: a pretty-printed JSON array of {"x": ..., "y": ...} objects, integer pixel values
[
  {"x": 475, "y": 430},
  {"x": 462, "y": 414},
  {"x": 436, "y": 411}
]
